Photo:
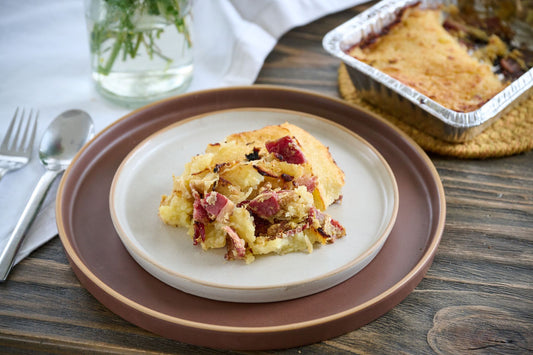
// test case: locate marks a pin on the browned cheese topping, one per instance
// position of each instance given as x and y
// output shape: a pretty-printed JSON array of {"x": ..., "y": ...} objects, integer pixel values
[{"x": 419, "y": 52}]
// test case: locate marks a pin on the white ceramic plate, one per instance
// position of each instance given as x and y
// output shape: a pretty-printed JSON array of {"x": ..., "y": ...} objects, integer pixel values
[{"x": 368, "y": 211}]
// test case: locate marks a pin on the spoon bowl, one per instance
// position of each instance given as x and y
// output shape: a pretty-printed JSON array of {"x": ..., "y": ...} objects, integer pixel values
[
  {"x": 65, "y": 136},
  {"x": 61, "y": 141}
]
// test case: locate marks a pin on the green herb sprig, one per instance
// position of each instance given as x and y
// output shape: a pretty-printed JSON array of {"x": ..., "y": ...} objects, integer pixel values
[{"x": 119, "y": 27}]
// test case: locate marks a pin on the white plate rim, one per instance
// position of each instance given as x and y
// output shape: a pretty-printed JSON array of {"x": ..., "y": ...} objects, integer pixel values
[{"x": 139, "y": 253}]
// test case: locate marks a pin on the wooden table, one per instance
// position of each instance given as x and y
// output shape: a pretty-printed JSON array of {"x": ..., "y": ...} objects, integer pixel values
[{"x": 477, "y": 297}]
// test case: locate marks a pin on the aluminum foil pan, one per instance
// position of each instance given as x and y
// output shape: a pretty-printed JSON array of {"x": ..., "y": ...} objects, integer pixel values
[{"x": 405, "y": 102}]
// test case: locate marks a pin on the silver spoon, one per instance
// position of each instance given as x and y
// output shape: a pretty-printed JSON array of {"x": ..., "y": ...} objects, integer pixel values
[{"x": 61, "y": 141}]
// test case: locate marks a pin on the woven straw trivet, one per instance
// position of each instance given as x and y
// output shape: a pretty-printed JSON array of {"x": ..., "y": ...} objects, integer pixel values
[{"x": 511, "y": 134}]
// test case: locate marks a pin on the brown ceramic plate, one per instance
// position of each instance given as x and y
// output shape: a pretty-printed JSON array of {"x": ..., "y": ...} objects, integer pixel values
[{"x": 107, "y": 270}]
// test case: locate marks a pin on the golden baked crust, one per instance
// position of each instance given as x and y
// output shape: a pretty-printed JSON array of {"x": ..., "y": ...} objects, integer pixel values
[
  {"x": 258, "y": 192},
  {"x": 321, "y": 163},
  {"x": 419, "y": 52}
]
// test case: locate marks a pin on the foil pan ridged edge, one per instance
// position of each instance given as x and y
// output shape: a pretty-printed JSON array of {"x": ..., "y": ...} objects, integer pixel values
[{"x": 405, "y": 102}]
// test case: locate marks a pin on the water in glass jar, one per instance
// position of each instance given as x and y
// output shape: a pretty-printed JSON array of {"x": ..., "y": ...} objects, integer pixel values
[{"x": 148, "y": 62}]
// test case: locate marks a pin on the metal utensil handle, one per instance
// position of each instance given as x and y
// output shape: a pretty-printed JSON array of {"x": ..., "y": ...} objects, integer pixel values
[{"x": 28, "y": 215}]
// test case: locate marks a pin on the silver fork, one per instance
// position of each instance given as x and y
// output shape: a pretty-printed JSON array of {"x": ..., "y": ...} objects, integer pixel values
[{"x": 16, "y": 148}]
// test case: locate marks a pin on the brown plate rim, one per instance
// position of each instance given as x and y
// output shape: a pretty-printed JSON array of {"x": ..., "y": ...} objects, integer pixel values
[{"x": 120, "y": 304}]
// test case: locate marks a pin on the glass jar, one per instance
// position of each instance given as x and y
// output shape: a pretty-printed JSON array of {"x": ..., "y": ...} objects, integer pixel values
[{"x": 141, "y": 50}]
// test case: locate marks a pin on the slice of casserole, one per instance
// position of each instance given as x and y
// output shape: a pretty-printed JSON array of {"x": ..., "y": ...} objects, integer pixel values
[{"x": 258, "y": 192}]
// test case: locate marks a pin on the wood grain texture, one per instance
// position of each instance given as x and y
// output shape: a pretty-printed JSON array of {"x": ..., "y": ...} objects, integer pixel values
[{"x": 476, "y": 298}]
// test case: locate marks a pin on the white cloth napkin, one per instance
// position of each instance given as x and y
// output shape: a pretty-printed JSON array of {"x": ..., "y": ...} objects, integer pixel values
[{"x": 44, "y": 64}]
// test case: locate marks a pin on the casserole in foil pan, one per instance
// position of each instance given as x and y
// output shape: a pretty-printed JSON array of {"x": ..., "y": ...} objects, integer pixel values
[{"x": 408, "y": 104}]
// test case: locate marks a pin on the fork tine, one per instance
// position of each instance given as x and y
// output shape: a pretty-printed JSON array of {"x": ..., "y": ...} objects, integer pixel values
[
  {"x": 17, "y": 146},
  {"x": 15, "y": 139},
  {"x": 5, "y": 142},
  {"x": 20, "y": 142},
  {"x": 27, "y": 143}
]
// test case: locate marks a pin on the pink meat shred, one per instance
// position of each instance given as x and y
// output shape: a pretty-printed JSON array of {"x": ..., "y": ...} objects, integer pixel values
[
  {"x": 310, "y": 182},
  {"x": 199, "y": 232},
  {"x": 265, "y": 204},
  {"x": 235, "y": 245},
  {"x": 216, "y": 205},
  {"x": 286, "y": 149},
  {"x": 199, "y": 213},
  {"x": 329, "y": 228}
]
